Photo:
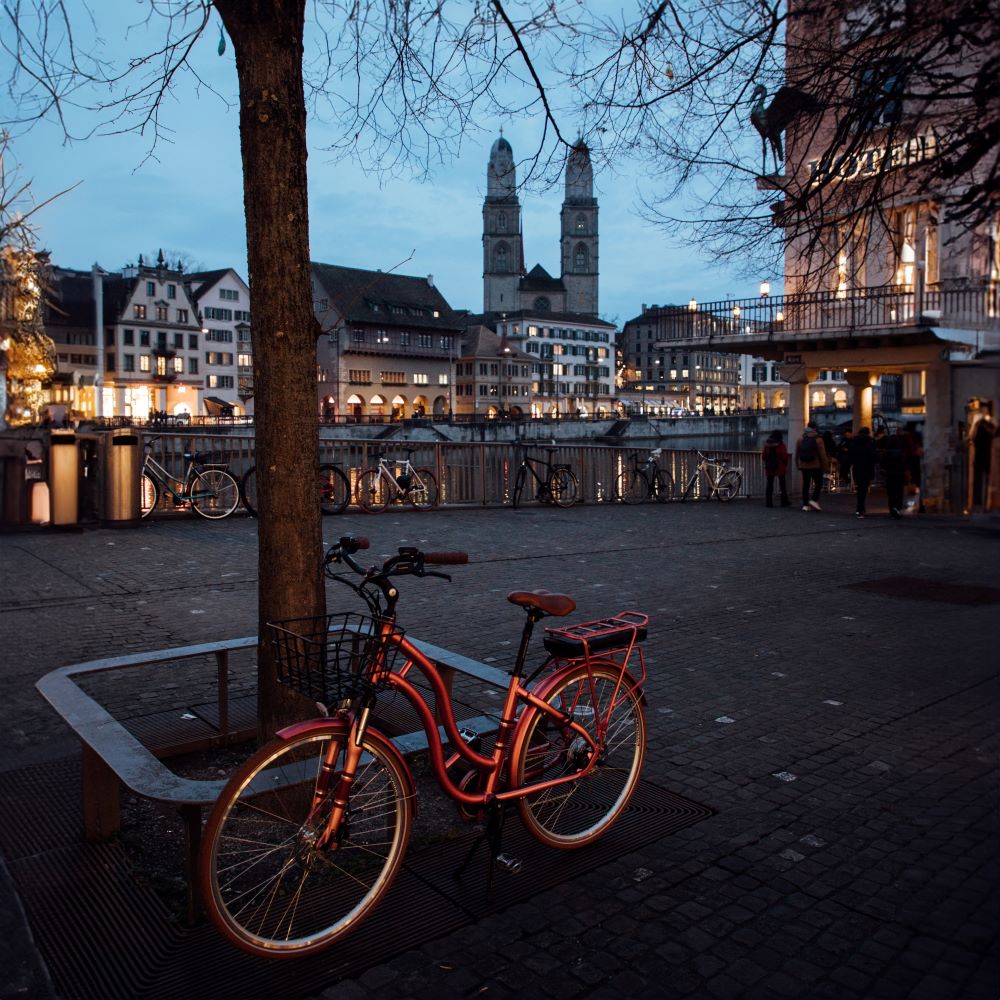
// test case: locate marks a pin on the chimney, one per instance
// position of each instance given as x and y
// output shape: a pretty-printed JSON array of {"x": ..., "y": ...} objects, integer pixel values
[{"x": 430, "y": 280}]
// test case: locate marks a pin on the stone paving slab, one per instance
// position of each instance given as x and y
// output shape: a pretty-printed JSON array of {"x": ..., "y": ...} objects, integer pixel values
[{"x": 846, "y": 738}]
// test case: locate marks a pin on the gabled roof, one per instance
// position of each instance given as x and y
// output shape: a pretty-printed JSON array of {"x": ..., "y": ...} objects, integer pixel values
[
  {"x": 481, "y": 342},
  {"x": 207, "y": 280},
  {"x": 539, "y": 280},
  {"x": 71, "y": 298},
  {"x": 377, "y": 297}
]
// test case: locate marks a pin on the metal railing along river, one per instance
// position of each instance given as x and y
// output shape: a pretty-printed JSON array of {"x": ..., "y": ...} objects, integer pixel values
[{"x": 477, "y": 473}]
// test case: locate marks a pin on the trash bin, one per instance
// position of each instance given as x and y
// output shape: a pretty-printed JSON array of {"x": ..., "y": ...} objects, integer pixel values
[
  {"x": 64, "y": 479},
  {"x": 13, "y": 511},
  {"x": 121, "y": 478}
]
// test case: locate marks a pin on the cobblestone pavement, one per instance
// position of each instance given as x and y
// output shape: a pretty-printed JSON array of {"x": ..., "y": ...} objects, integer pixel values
[{"x": 846, "y": 738}]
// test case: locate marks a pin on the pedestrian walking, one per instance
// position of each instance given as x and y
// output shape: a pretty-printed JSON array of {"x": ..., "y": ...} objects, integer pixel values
[
  {"x": 812, "y": 461},
  {"x": 862, "y": 457},
  {"x": 893, "y": 462},
  {"x": 774, "y": 455},
  {"x": 844, "y": 457}
]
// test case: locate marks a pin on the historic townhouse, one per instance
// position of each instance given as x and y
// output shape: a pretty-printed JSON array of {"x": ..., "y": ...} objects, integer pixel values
[
  {"x": 147, "y": 356},
  {"x": 492, "y": 378},
  {"x": 223, "y": 301},
  {"x": 388, "y": 347}
]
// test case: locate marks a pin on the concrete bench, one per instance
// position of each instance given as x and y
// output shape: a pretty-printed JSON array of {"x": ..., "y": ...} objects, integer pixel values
[{"x": 112, "y": 756}]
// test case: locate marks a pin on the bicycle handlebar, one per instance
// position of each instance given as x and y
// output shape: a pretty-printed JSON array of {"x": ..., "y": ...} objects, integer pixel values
[{"x": 446, "y": 558}]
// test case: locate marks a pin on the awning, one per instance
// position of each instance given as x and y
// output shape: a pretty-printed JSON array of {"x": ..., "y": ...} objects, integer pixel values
[{"x": 216, "y": 407}]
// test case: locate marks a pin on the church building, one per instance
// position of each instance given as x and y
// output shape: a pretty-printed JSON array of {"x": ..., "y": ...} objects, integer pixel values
[
  {"x": 551, "y": 321},
  {"x": 508, "y": 286}
]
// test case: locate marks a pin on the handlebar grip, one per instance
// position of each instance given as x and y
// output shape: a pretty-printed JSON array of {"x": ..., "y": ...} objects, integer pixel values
[
  {"x": 446, "y": 558},
  {"x": 353, "y": 543}
]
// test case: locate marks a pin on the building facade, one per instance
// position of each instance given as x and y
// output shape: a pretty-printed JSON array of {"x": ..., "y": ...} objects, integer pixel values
[
  {"x": 222, "y": 298},
  {"x": 492, "y": 378},
  {"x": 669, "y": 380},
  {"x": 148, "y": 354},
  {"x": 388, "y": 345},
  {"x": 892, "y": 268}
]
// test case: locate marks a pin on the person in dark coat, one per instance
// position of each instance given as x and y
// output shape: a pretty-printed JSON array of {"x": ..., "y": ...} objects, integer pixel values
[
  {"x": 774, "y": 455},
  {"x": 862, "y": 457},
  {"x": 893, "y": 461},
  {"x": 812, "y": 462},
  {"x": 844, "y": 456}
]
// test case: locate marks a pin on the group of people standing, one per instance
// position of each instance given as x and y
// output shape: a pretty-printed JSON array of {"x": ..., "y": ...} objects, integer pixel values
[{"x": 855, "y": 459}]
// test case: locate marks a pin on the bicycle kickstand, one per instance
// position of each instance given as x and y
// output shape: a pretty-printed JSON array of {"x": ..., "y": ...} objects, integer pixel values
[{"x": 492, "y": 836}]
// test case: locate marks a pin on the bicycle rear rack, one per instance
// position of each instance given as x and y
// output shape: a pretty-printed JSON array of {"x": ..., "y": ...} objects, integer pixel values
[{"x": 613, "y": 638}]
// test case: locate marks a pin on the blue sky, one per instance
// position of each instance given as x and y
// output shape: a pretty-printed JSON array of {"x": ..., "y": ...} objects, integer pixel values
[{"x": 188, "y": 198}]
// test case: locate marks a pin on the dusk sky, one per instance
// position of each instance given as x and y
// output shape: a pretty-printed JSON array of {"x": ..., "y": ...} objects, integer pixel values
[{"x": 189, "y": 199}]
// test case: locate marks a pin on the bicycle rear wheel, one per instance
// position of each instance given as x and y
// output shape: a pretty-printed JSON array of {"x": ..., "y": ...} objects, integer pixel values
[
  {"x": 334, "y": 490},
  {"x": 149, "y": 495},
  {"x": 577, "y": 813},
  {"x": 214, "y": 494},
  {"x": 729, "y": 485},
  {"x": 631, "y": 486},
  {"x": 248, "y": 487},
  {"x": 268, "y": 885},
  {"x": 373, "y": 491},
  {"x": 522, "y": 472},
  {"x": 423, "y": 492},
  {"x": 663, "y": 486},
  {"x": 564, "y": 487}
]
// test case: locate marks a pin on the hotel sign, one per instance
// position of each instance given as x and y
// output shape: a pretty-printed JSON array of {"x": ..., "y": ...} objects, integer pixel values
[{"x": 874, "y": 161}]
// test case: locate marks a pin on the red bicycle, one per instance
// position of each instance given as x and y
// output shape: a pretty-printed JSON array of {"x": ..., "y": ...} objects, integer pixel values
[{"x": 309, "y": 833}]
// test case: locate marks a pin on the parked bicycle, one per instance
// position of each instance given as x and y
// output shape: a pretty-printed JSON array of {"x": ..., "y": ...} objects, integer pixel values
[
  {"x": 640, "y": 481},
  {"x": 554, "y": 482},
  {"x": 334, "y": 490},
  {"x": 396, "y": 481},
  {"x": 208, "y": 487},
  {"x": 307, "y": 836},
  {"x": 722, "y": 480}
]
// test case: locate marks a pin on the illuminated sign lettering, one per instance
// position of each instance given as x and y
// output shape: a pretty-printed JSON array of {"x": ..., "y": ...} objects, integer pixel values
[{"x": 877, "y": 160}]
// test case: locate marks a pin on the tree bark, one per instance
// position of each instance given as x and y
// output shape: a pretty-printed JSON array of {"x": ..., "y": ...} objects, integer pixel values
[{"x": 267, "y": 39}]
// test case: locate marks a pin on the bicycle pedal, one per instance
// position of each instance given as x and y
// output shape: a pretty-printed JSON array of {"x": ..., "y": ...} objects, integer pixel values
[
  {"x": 508, "y": 863},
  {"x": 470, "y": 738}
]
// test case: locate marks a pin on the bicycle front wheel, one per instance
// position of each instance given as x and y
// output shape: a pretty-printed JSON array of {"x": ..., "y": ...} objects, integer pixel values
[
  {"x": 631, "y": 486},
  {"x": 729, "y": 485},
  {"x": 149, "y": 495},
  {"x": 564, "y": 487},
  {"x": 423, "y": 492},
  {"x": 663, "y": 486},
  {"x": 522, "y": 472},
  {"x": 578, "y": 812},
  {"x": 271, "y": 885},
  {"x": 215, "y": 493},
  {"x": 248, "y": 487},
  {"x": 334, "y": 490},
  {"x": 373, "y": 491}
]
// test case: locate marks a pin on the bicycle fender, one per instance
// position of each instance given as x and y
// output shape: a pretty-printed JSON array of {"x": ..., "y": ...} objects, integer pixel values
[
  {"x": 542, "y": 691},
  {"x": 337, "y": 727}
]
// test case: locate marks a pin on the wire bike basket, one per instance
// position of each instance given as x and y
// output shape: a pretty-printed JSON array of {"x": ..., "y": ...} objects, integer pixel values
[{"x": 333, "y": 658}]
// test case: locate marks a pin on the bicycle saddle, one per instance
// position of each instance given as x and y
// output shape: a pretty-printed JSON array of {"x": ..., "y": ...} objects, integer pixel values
[{"x": 557, "y": 605}]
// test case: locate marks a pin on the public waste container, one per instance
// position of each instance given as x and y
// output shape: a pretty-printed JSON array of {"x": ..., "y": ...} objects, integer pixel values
[
  {"x": 121, "y": 479},
  {"x": 64, "y": 479},
  {"x": 13, "y": 508}
]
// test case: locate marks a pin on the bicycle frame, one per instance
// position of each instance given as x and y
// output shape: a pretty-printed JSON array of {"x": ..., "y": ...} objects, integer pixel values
[
  {"x": 168, "y": 481},
  {"x": 511, "y": 732},
  {"x": 702, "y": 468}
]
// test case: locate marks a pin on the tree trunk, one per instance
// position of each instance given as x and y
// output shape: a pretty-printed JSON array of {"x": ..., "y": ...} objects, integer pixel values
[{"x": 267, "y": 39}]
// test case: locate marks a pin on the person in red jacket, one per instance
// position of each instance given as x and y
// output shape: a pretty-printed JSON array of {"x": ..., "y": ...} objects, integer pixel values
[{"x": 774, "y": 455}]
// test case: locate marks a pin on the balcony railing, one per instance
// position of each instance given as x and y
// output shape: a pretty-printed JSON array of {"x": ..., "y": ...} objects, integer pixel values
[{"x": 974, "y": 307}]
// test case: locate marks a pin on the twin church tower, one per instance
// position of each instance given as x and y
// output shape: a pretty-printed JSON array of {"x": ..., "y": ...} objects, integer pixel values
[{"x": 507, "y": 286}]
